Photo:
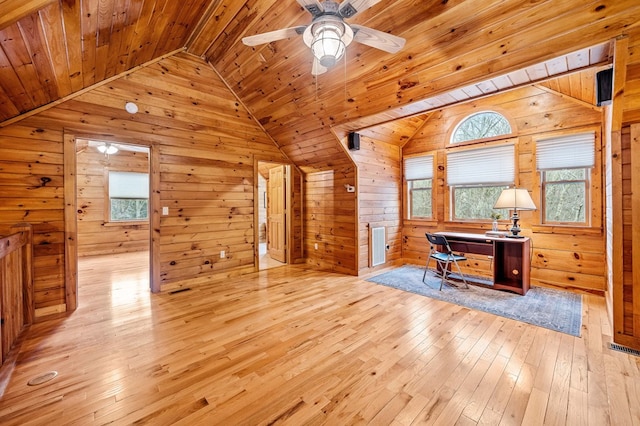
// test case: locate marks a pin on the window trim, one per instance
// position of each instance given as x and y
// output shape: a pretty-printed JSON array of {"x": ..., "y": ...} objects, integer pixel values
[
  {"x": 406, "y": 207},
  {"x": 512, "y": 124},
  {"x": 448, "y": 191},
  {"x": 587, "y": 197},
  {"x": 595, "y": 178},
  {"x": 409, "y": 204},
  {"x": 107, "y": 201}
]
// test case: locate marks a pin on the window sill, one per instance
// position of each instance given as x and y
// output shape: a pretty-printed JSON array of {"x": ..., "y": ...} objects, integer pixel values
[
  {"x": 478, "y": 224},
  {"x": 565, "y": 229},
  {"x": 128, "y": 223},
  {"x": 420, "y": 221}
]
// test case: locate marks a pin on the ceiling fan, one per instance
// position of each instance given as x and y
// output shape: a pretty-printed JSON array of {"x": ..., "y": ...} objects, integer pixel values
[{"x": 328, "y": 35}]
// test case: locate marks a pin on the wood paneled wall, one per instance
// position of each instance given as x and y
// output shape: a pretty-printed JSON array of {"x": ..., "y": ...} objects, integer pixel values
[
  {"x": 331, "y": 220},
  {"x": 627, "y": 326},
  {"x": 562, "y": 257},
  {"x": 379, "y": 197},
  {"x": 95, "y": 234},
  {"x": 207, "y": 145},
  {"x": 31, "y": 190}
]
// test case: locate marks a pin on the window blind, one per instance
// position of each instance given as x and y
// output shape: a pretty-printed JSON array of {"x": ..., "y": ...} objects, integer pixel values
[
  {"x": 494, "y": 165},
  {"x": 418, "y": 167},
  {"x": 566, "y": 152},
  {"x": 128, "y": 185}
]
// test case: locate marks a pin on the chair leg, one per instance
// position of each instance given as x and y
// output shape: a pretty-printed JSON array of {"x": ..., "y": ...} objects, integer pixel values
[
  {"x": 426, "y": 268},
  {"x": 461, "y": 275},
  {"x": 444, "y": 274}
]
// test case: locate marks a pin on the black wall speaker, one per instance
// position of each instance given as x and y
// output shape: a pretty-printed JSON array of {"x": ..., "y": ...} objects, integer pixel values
[
  {"x": 354, "y": 141},
  {"x": 604, "y": 87}
]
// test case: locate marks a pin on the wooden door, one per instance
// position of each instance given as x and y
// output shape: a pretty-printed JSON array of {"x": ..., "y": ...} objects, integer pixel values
[{"x": 276, "y": 214}]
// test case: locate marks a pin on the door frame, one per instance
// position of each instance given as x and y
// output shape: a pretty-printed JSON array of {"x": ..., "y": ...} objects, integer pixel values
[
  {"x": 71, "y": 208},
  {"x": 256, "y": 207}
]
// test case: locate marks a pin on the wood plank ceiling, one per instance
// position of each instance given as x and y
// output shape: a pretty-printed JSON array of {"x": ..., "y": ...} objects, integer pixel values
[{"x": 455, "y": 50}]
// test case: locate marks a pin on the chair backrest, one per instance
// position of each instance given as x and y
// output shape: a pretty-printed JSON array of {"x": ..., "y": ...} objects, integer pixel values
[{"x": 438, "y": 240}]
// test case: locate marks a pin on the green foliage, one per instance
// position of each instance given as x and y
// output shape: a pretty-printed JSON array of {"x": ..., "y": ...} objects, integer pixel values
[
  {"x": 565, "y": 195},
  {"x": 421, "y": 198},
  {"x": 476, "y": 202}
]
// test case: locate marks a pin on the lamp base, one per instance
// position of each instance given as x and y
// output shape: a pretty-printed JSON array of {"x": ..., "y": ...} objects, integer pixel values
[{"x": 515, "y": 229}]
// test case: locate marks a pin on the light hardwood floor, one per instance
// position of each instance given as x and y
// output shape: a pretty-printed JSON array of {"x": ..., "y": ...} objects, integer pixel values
[{"x": 295, "y": 346}]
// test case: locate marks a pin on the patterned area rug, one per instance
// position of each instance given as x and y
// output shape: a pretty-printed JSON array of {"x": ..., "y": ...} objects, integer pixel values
[{"x": 541, "y": 306}]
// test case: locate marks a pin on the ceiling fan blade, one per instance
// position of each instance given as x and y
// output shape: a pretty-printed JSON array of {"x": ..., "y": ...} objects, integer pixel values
[
  {"x": 317, "y": 69},
  {"x": 314, "y": 7},
  {"x": 378, "y": 39},
  {"x": 276, "y": 35},
  {"x": 350, "y": 8}
]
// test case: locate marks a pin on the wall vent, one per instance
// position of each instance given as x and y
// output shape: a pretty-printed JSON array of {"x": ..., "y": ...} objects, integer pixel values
[
  {"x": 378, "y": 246},
  {"x": 620, "y": 348}
]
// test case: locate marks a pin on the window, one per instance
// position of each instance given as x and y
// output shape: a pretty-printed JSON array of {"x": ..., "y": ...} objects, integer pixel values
[
  {"x": 565, "y": 170},
  {"x": 481, "y": 125},
  {"x": 476, "y": 177},
  {"x": 128, "y": 196},
  {"x": 418, "y": 172}
]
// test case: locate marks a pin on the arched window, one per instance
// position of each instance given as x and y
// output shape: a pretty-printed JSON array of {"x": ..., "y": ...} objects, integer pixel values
[{"x": 481, "y": 125}]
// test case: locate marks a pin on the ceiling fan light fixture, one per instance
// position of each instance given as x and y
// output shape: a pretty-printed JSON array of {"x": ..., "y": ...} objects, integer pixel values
[
  {"x": 327, "y": 45},
  {"x": 328, "y": 39},
  {"x": 107, "y": 149}
]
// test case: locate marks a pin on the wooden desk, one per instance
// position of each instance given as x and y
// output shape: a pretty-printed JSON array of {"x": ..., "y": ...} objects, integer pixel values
[{"x": 511, "y": 257}]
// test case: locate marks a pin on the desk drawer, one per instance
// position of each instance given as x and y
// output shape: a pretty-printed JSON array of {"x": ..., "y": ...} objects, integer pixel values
[{"x": 477, "y": 247}]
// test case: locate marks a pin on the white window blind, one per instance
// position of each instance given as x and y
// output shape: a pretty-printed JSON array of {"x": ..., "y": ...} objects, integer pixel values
[
  {"x": 128, "y": 185},
  {"x": 418, "y": 167},
  {"x": 566, "y": 152},
  {"x": 494, "y": 165}
]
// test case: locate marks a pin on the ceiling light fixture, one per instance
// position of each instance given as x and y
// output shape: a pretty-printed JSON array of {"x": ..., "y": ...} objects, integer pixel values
[
  {"x": 328, "y": 40},
  {"x": 131, "y": 107},
  {"x": 107, "y": 149}
]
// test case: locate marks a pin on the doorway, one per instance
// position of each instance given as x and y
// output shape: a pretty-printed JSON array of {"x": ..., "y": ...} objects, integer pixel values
[
  {"x": 113, "y": 214},
  {"x": 273, "y": 214}
]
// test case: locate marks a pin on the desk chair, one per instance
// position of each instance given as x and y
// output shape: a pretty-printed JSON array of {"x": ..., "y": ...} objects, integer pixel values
[{"x": 443, "y": 258}]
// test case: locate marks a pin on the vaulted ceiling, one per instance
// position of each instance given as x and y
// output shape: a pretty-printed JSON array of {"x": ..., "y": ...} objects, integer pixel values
[{"x": 455, "y": 50}]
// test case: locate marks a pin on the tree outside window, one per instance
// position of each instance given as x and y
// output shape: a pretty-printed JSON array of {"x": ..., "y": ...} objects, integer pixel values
[
  {"x": 420, "y": 196},
  {"x": 482, "y": 125},
  {"x": 565, "y": 195},
  {"x": 476, "y": 202}
]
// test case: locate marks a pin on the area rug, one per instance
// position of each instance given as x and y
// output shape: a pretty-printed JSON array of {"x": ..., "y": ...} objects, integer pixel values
[{"x": 544, "y": 307}]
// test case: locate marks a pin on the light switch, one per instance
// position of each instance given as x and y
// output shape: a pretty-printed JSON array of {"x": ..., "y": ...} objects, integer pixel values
[{"x": 165, "y": 211}]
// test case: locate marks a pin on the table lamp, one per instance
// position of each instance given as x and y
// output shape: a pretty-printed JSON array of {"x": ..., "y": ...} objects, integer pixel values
[{"x": 516, "y": 199}]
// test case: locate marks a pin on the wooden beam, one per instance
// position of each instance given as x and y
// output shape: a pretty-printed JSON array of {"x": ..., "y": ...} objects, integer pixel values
[
  {"x": 12, "y": 11},
  {"x": 614, "y": 127}
]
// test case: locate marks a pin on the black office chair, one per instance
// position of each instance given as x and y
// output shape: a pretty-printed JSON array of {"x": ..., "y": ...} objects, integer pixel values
[{"x": 443, "y": 258}]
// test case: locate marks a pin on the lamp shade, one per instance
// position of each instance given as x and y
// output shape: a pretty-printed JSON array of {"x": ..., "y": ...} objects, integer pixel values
[{"x": 515, "y": 198}]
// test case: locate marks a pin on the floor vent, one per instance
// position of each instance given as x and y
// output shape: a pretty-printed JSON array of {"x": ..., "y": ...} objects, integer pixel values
[
  {"x": 620, "y": 348},
  {"x": 180, "y": 290},
  {"x": 378, "y": 246}
]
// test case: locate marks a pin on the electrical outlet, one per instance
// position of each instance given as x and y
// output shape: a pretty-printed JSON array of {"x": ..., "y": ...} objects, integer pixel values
[
  {"x": 315, "y": 246},
  {"x": 222, "y": 254},
  {"x": 165, "y": 211}
]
